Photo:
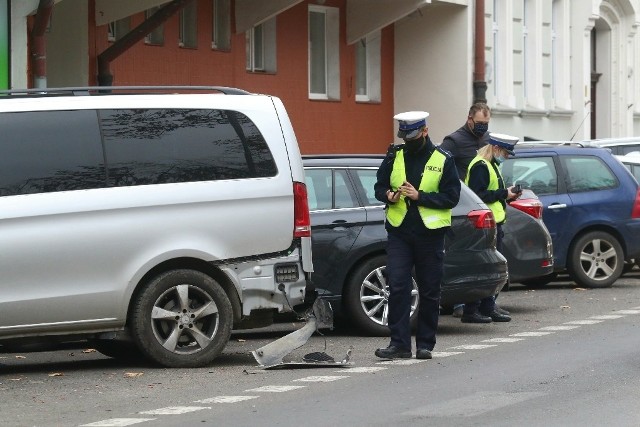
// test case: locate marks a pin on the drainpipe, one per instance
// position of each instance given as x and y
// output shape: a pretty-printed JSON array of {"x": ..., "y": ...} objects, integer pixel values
[
  {"x": 105, "y": 78},
  {"x": 39, "y": 43},
  {"x": 479, "y": 84}
]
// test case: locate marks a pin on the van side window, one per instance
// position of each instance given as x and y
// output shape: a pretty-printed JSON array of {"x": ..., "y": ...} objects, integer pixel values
[
  {"x": 158, "y": 146},
  {"x": 47, "y": 151}
]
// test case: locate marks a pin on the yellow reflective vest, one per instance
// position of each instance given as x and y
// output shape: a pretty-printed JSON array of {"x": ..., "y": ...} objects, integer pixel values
[
  {"x": 496, "y": 207},
  {"x": 432, "y": 218}
]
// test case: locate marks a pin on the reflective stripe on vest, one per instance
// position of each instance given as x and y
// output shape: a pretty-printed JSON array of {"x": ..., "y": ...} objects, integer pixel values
[
  {"x": 496, "y": 207},
  {"x": 432, "y": 218}
]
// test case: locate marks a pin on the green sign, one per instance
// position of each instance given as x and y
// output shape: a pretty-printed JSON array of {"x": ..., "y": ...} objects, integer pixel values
[{"x": 4, "y": 44}]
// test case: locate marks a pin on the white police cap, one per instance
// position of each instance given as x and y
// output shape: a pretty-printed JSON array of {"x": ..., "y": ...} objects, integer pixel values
[
  {"x": 507, "y": 142},
  {"x": 410, "y": 123}
]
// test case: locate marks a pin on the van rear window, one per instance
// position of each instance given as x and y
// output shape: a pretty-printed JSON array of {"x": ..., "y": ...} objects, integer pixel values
[{"x": 156, "y": 146}]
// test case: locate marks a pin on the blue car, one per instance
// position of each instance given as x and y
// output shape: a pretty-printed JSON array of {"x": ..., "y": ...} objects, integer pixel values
[{"x": 591, "y": 207}]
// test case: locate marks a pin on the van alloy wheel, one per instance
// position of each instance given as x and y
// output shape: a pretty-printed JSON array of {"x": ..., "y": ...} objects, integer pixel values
[{"x": 182, "y": 318}]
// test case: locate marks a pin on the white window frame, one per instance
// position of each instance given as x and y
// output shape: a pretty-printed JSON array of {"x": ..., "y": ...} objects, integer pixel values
[
  {"x": 331, "y": 51},
  {"x": 188, "y": 31},
  {"x": 369, "y": 49},
  {"x": 260, "y": 42},
  {"x": 532, "y": 52},
  {"x": 502, "y": 29},
  {"x": 221, "y": 30}
]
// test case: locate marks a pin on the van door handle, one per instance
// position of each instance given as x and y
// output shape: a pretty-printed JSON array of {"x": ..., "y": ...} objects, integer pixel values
[
  {"x": 339, "y": 224},
  {"x": 557, "y": 206}
]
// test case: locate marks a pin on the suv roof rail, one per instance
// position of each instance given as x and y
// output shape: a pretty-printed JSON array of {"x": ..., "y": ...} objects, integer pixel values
[
  {"x": 572, "y": 143},
  {"x": 107, "y": 90}
]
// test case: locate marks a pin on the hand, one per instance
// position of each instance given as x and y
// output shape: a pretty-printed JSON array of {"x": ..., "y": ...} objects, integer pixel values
[
  {"x": 409, "y": 191},
  {"x": 512, "y": 194},
  {"x": 393, "y": 196}
]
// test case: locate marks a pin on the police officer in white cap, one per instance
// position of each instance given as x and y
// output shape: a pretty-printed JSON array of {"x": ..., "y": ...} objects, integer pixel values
[
  {"x": 485, "y": 179},
  {"x": 420, "y": 185}
]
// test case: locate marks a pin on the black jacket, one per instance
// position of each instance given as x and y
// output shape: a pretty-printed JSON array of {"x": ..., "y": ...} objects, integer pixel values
[
  {"x": 446, "y": 198},
  {"x": 463, "y": 146}
]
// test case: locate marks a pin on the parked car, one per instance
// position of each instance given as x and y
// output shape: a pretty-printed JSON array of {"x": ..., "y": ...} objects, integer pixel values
[
  {"x": 591, "y": 207},
  {"x": 148, "y": 223},
  {"x": 349, "y": 241},
  {"x": 632, "y": 162},
  {"x": 618, "y": 146}
]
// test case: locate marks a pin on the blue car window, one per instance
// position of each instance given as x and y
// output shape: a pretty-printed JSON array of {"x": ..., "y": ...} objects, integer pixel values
[
  {"x": 587, "y": 173},
  {"x": 535, "y": 173}
]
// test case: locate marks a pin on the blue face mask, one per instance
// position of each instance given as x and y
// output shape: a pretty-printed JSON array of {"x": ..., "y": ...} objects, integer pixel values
[
  {"x": 499, "y": 159},
  {"x": 480, "y": 129}
]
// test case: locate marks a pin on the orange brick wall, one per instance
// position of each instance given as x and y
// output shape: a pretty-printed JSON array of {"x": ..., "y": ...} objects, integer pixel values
[{"x": 321, "y": 126}]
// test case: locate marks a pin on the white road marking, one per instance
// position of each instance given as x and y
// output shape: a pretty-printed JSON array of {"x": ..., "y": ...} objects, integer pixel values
[
  {"x": 174, "y": 410},
  {"x": 628, "y": 311},
  {"x": 473, "y": 346},
  {"x": 531, "y": 334},
  {"x": 401, "y": 362},
  {"x": 363, "y": 369},
  {"x": 607, "y": 316},
  {"x": 583, "y": 322},
  {"x": 559, "y": 328},
  {"x": 445, "y": 353},
  {"x": 276, "y": 388},
  {"x": 321, "y": 378},
  {"x": 118, "y": 422},
  {"x": 504, "y": 340},
  {"x": 226, "y": 399}
]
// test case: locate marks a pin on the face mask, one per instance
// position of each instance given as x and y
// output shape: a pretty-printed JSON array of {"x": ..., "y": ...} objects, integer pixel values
[
  {"x": 480, "y": 129},
  {"x": 499, "y": 159},
  {"x": 414, "y": 145}
]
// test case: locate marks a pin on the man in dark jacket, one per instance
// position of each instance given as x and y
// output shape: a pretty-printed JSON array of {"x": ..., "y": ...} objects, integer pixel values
[
  {"x": 419, "y": 184},
  {"x": 464, "y": 143}
]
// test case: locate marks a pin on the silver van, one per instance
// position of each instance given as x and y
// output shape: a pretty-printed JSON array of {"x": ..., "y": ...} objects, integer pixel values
[{"x": 148, "y": 222}]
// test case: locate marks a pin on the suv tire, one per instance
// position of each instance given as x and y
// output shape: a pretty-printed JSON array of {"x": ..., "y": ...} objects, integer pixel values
[
  {"x": 366, "y": 297},
  {"x": 596, "y": 260},
  {"x": 182, "y": 319}
]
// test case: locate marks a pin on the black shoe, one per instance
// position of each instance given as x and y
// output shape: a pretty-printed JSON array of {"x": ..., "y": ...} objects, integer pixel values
[
  {"x": 501, "y": 310},
  {"x": 393, "y": 352},
  {"x": 475, "y": 318},
  {"x": 423, "y": 353},
  {"x": 499, "y": 317}
]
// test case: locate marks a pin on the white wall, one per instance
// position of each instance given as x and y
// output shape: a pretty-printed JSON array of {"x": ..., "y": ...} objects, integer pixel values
[
  {"x": 434, "y": 66},
  {"x": 68, "y": 46}
]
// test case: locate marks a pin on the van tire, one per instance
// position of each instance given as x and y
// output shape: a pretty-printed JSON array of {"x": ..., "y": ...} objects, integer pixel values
[
  {"x": 358, "y": 298},
  {"x": 596, "y": 260},
  {"x": 193, "y": 319}
]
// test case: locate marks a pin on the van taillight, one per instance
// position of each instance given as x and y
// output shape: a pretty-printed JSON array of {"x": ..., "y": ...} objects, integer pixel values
[
  {"x": 482, "y": 218},
  {"x": 532, "y": 207},
  {"x": 635, "y": 212},
  {"x": 301, "y": 220}
]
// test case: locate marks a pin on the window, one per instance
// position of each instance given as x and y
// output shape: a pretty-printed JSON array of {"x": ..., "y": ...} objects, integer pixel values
[
  {"x": 368, "y": 68},
  {"x": 261, "y": 47},
  {"x": 43, "y": 152},
  {"x": 587, "y": 173},
  {"x": 117, "y": 29},
  {"x": 560, "y": 55},
  {"x": 536, "y": 173},
  {"x": 329, "y": 189},
  {"x": 173, "y": 145},
  {"x": 366, "y": 180},
  {"x": 221, "y": 37},
  {"x": 189, "y": 25},
  {"x": 155, "y": 37},
  {"x": 324, "y": 53}
]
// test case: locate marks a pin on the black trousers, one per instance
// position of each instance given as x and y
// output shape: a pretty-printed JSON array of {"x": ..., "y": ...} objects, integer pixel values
[{"x": 426, "y": 255}]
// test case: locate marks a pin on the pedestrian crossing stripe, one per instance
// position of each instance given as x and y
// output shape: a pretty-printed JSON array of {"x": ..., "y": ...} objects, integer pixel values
[
  {"x": 436, "y": 354},
  {"x": 560, "y": 328},
  {"x": 174, "y": 410},
  {"x": 473, "y": 346},
  {"x": 226, "y": 399},
  {"x": 531, "y": 334},
  {"x": 584, "y": 322},
  {"x": 363, "y": 369},
  {"x": 118, "y": 422},
  {"x": 322, "y": 378},
  {"x": 503, "y": 340},
  {"x": 276, "y": 388},
  {"x": 628, "y": 311},
  {"x": 607, "y": 317},
  {"x": 401, "y": 362}
]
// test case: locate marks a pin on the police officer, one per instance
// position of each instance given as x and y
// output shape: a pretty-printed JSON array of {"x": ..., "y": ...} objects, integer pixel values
[
  {"x": 485, "y": 180},
  {"x": 419, "y": 184}
]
